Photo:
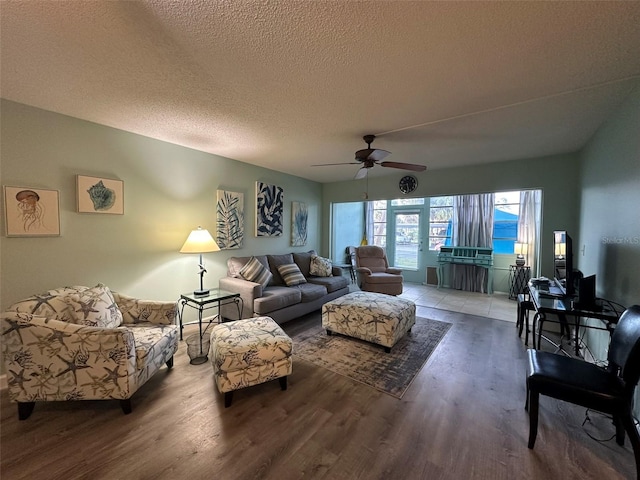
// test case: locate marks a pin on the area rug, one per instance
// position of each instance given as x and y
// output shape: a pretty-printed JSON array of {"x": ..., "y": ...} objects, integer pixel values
[{"x": 391, "y": 373}]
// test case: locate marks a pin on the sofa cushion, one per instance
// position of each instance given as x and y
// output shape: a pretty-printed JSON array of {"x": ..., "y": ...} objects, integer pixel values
[
  {"x": 254, "y": 271},
  {"x": 320, "y": 266},
  {"x": 274, "y": 262},
  {"x": 311, "y": 291},
  {"x": 291, "y": 274},
  {"x": 152, "y": 343},
  {"x": 94, "y": 307},
  {"x": 332, "y": 284},
  {"x": 275, "y": 298},
  {"x": 303, "y": 260}
]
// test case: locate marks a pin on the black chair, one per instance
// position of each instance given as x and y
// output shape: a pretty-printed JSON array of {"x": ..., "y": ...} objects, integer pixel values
[
  {"x": 524, "y": 307},
  {"x": 607, "y": 390}
]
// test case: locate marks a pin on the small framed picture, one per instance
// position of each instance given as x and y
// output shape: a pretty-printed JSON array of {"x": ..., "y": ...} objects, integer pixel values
[
  {"x": 100, "y": 195},
  {"x": 31, "y": 212}
]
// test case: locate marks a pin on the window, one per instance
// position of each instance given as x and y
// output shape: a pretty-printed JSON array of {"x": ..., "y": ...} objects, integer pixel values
[
  {"x": 380, "y": 223},
  {"x": 440, "y": 216},
  {"x": 505, "y": 221}
]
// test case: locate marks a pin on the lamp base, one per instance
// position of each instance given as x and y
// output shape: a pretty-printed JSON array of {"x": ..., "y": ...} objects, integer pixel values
[
  {"x": 520, "y": 262},
  {"x": 201, "y": 293}
]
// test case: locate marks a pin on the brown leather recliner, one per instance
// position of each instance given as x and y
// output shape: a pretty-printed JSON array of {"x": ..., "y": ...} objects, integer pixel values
[{"x": 375, "y": 273}]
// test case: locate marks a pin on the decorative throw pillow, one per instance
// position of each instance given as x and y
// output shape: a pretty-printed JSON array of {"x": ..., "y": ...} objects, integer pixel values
[
  {"x": 291, "y": 274},
  {"x": 254, "y": 271},
  {"x": 320, "y": 267},
  {"x": 95, "y": 307}
]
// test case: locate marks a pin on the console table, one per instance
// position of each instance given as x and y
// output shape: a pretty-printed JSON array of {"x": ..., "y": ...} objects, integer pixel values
[
  {"x": 478, "y": 256},
  {"x": 564, "y": 308}
]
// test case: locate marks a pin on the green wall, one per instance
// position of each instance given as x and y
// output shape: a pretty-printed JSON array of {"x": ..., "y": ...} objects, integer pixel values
[
  {"x": 169, "y": 190},
  {"x": 610, "y": 216}
]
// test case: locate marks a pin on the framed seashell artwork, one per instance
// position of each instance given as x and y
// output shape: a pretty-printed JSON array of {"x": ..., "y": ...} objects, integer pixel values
[{"x": 100, "y": 195}]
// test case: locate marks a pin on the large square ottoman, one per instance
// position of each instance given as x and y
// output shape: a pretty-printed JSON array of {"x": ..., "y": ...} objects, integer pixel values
[
  {"x": 373, "y": 317},
  {"x": 249, "y": 352}
]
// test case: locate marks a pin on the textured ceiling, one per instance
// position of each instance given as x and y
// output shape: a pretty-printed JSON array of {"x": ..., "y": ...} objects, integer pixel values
[{"x": 288, "y": 84}]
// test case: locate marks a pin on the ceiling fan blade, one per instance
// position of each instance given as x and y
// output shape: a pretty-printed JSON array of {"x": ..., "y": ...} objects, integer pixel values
[
  {"x": 361, "y": 173},
  {"x": 342, "y": 163},
  {"x": 404, "y": 166},
  {"x": 374, "y": 154}
]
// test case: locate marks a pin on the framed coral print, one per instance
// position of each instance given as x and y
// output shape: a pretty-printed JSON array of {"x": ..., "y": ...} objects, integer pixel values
[
  {"x": 299, "y": 215},
  {"x": 100, "y": 195},
  {"x": 31, "y": 212},
  {"x": 269, "y": 206}
]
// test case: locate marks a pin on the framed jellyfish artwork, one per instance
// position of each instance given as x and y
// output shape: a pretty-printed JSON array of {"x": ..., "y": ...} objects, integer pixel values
[
  {"x": 31, "y": 212},
  {"x": 100, "y": 195}
]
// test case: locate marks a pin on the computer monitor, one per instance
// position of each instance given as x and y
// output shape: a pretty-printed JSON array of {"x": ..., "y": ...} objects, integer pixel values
[
  {"x": 587, "y": 294},
  {"x": 563, "y": 261}
]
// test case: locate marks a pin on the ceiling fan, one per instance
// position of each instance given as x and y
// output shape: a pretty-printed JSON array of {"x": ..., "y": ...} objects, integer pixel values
[{"x": 368, "y": 157}]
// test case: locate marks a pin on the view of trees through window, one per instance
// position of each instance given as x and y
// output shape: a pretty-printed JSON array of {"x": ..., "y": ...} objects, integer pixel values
[
  {"x": 404, "y": 230},
  {"x": 440, "y": 218},
  {"x": 380, "y": 223},
  {"x": 505, "y": 222}
]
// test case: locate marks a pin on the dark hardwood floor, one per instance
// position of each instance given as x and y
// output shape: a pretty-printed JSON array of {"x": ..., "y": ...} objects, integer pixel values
[{"x": 462, "y": 418}]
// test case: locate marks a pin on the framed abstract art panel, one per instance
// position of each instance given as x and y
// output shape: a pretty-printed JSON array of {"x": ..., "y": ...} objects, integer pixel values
[{"x": 269, "y": 207}]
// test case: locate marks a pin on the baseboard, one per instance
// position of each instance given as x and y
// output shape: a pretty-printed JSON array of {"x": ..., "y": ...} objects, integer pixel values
[{"x": 3, "y": 381}]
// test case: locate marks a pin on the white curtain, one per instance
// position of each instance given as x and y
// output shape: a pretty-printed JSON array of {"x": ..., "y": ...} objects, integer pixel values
[
  {"x": 368, "y": 219},
  {"x": 529, "y": 227},
  {"x": 472, "y": 227}
]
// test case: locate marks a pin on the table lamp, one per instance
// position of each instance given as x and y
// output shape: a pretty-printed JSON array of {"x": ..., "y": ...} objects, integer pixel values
[
  {"x": 520, "y": 249},
  {"x": 200, "y": 241}
]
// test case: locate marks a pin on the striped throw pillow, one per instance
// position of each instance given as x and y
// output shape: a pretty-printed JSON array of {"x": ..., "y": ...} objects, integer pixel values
[
  {"x": 254, "y": 271},
  {"x": 291, "y": 274}
]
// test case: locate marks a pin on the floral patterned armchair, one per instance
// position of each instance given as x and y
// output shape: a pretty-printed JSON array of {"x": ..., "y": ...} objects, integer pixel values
[{"x": 81, "y": 343}]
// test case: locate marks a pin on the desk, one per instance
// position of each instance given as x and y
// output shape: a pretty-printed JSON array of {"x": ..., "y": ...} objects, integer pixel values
[
  {"x": 215, "y": 299},
  {"x": 478, "y": 256},
  {"x": 565, "y": 309}
]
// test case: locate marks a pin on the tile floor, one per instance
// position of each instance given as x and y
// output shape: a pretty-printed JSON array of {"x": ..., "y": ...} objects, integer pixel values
[{"x": 497, "y": 305}]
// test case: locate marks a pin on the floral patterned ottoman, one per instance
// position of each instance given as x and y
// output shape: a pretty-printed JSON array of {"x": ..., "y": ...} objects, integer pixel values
[
  {"x": 249, "y": 352},
  {"x": 373, "y": 317}
]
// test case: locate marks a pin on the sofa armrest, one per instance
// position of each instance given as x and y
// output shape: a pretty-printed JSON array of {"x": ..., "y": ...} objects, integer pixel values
[
  {"x": 394, "y": 270},
  {"x": 336, "y": 271},
  {"x": 135, "y": 310},
  {"x": 248, "y": 291},
  {"x": 363, "y": 270},
  {"x": 49, "y": 359}
]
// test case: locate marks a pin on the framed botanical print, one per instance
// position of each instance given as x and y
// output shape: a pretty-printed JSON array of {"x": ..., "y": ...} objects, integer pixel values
[
  {"x": 100, "y": 195},
  {"x": 299, "y": 215},
  {"x": 229, "y": 219},
  {"x": 31, "y": 212},
  {"x": 269, "y": 210}
]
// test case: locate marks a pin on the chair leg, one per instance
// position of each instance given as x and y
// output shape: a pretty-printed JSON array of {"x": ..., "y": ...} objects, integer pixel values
[
  {"x": 620, "y": 427},
  {"x": 534, "y": 399},
  {"x": 632, "y": 431},
  {"x": 228, "y": 398},
  {"x": 126, "y": 406},
  {"x": 519, "y": 319},
  {"x": 25, "y": 409},
  {"x": 283, "y": 383},
  {"x": 170, "y": 363}
]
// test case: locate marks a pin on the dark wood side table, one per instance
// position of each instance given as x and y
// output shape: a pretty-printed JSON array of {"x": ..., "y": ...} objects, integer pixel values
[{"x": 215, "y": 299}]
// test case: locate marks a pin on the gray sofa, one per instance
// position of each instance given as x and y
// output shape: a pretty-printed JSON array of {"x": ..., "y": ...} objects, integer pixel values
[{"x": 277, "y": 300}]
